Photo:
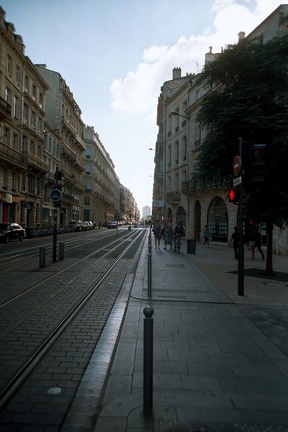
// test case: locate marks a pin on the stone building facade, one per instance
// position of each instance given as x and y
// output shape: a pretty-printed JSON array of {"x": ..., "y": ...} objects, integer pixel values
[
  {"x": 64, "y": 116},
  {"x": 41, "y": 133},
  {"x": 22, "y": 117},
  {"x": 178, "y": 144},
  {"x": 101, "y": 195}
]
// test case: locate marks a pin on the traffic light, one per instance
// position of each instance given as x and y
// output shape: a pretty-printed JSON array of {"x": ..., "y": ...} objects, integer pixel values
[
  {"x": 234, "y": 196},
  {"x": 258, "y": 164}
]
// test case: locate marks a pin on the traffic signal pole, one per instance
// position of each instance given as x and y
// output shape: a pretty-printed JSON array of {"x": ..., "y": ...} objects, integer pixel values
[{"x": 241, "y": 237}]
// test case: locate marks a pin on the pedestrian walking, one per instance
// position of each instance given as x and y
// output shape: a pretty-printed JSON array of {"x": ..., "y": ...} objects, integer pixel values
[
  {"x": 206, "y": 235},
  {"x": 258, "y": 243},
  {"x": 168, "y": 235},
  {"x": 235, "y": 240},
  {"x": 251, "y": 244},
  {"x": 157, "y": 234},
  {"x": 179, "y": 232}
]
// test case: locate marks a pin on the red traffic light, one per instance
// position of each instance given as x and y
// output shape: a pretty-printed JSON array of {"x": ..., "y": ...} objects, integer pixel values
[{"x": 233, "y": 196}]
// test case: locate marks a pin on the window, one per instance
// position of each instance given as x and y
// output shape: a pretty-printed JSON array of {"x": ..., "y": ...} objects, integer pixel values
[
  {"x": 6, "y": 137},
  {"x": 38, "y": 186},
  {"x": 86, "y": 200},
  {"x": 88, "y": 168},
  {"x": 26, "y": 83},
  {"x": 9, "y": 65},
  {"x": 176, "y": 152},
  {"x": 41, "y": 100},
  {"x": 34, "y": 92},
  {"x": 24, "y": 143},
  {"x": 40, "y": 125},
  {"x": 33, "y": 116},
  {"x": 32, "y": 147},
  {"x": 176, "y": 182},
  {"x": 15, "y": 142},
  {"x": 15, "y": 107},
  {"x": 17, "y": 74},
  {"x": 23, "y": 181},
  {"x": 184, "y": 148},
  {"x": 8, "y": 95},
  {"x": 13, "y": 182},
  {"x": 169, "y": 156},
  {"x": 31, "y": 182},
  {"x": 88, "y": 152},
  {"x": 5, "y": 179},
  {"x": 25, "y": 114}
]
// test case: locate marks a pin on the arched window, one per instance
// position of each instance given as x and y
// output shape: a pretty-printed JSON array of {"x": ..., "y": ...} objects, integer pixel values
[{"x": 218, "y": 219}]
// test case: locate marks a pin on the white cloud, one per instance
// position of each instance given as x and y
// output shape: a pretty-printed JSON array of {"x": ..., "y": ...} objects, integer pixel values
[{"x": 139, "y": 90}]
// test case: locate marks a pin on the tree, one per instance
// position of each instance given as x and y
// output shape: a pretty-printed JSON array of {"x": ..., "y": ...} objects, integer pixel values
[{"x": 248, "y": 97}]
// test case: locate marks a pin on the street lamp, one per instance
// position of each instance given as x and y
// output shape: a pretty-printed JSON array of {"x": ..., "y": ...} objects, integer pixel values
[{"x": 174, "y": 113}]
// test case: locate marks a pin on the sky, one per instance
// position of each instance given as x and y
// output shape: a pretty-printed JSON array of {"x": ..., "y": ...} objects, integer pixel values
[{"x": 115, "y": 56}]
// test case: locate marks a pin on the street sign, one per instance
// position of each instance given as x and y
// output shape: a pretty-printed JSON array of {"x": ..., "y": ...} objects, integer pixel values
[
  {"x": 236, "y": 165},
  {"x": 237, "y": 181},
  {"x": 56, "y": 195}
]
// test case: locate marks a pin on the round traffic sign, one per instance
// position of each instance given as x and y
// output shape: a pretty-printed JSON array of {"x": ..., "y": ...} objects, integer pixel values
[
  {"x": 56, "y": 195},
  {"x": 236, "y": 165}
]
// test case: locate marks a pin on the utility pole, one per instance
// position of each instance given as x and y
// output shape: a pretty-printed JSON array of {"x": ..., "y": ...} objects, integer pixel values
[{"x": 241, "y": 237}]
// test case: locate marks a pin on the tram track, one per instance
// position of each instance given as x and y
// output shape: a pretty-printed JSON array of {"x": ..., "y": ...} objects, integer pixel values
[
  {"x": 101, "y": 252},
  {"x": 11, "y": 261},
  {"x": 41, "y": 349}
]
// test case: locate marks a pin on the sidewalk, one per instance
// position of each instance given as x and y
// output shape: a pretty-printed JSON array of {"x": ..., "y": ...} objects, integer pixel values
[{"x": 214, "y": 368}]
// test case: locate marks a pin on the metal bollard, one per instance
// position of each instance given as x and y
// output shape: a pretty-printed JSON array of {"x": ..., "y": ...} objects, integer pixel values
[
  {"x": 41, "y": 257},
  {"x": 148, "y": 361},
  {"x": 61, "y": 250}
]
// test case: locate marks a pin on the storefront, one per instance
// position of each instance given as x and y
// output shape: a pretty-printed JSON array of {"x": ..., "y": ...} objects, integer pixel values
[{"x": 9, "y": 205}]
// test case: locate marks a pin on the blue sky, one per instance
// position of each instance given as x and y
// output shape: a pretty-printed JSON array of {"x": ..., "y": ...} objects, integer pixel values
[{"x": 115, "y": 56}]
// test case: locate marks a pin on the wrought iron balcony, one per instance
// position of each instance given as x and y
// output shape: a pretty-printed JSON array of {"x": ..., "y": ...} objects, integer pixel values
[
  {"x": 173, "y": 197},
  {"x": 5, "y": 109},
  {"x": 15, "y": 158}
]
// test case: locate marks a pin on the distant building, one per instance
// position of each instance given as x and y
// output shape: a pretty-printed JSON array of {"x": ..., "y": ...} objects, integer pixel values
[
  {"x": 146, "y": 211},
  {"x": 101, "y": 196}
]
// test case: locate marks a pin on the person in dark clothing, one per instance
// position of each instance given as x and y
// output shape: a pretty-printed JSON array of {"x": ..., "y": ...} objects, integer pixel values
[
  {"x": 258, "y": 243},
  {"x": 235, "y": 240}
]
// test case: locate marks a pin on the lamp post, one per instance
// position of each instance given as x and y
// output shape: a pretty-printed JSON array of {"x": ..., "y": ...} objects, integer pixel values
[{"x": 174, "y": 113}]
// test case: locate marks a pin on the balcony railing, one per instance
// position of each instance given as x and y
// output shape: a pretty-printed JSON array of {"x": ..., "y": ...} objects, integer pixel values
[
  {"x": 79, "y": 142},
  {"x": 5, "y": 109},
  {"x": 68, "y": 151},
  {"x": 12, "y": 156},
  {"x": 173, "y": 197},
  {"x": 36, "y": 162}
]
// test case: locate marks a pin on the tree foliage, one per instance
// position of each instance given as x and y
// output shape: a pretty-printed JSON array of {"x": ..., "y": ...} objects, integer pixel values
[{"x": 247, "y": 96}]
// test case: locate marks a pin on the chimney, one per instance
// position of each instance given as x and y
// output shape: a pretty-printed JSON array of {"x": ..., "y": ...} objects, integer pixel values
[
  {"x": 176, "y": 73},
  {"x": 241, "y": 36},
  {"x": 209, "y": 57}
]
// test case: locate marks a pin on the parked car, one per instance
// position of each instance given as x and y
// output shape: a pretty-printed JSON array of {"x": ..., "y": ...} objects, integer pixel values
[
  {"x": 76, "y": 225},
  {"x": 11, "y": 231},
  {"x": 112, "y": 224},
  {"x": 87, "y": 225}
]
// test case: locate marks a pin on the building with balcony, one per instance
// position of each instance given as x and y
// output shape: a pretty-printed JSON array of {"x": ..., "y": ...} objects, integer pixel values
[
  {"x": 22, "y": 115},
  {"x": 64, "y": 116},
  {"x": 101, "y": 197},
  {"x": 178, "y": 144}
]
